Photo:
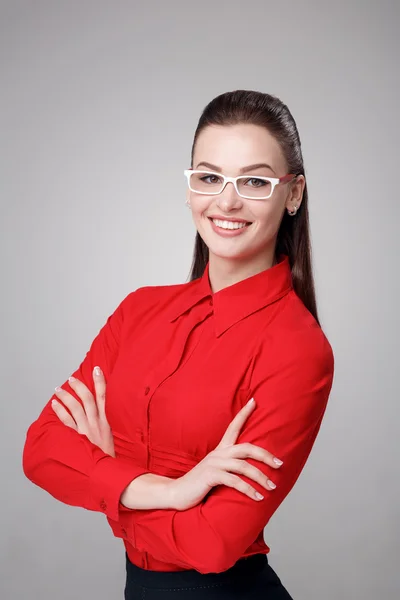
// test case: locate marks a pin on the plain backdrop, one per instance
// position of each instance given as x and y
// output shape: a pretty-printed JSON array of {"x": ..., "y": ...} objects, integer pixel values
[{"x": 99, "y": 103}]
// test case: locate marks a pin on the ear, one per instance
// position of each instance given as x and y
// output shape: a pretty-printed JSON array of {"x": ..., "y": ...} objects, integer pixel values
[{"x": 295, "y": 194}]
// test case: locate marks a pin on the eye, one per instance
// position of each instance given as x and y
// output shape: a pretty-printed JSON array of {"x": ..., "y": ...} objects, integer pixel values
[
  {"x": 214, "y": 178},
  {"x": 257, "y": 182}
]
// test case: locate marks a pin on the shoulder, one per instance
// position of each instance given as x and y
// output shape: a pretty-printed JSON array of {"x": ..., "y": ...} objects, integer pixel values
[
  {"x": 296, "y": 338},
  {"x": 294, "y": 362}
]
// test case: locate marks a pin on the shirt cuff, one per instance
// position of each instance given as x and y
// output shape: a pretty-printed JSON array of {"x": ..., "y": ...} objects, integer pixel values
[{"x": 109, "y": 478}]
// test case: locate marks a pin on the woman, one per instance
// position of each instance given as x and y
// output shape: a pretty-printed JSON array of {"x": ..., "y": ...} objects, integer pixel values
[{"x": 157, "y": 429}]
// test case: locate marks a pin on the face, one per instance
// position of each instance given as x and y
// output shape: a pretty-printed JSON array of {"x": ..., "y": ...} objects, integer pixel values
[{"x": 228, "y": 150}]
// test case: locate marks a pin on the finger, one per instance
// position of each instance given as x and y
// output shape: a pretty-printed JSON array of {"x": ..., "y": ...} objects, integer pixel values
[
  {"x": 235, "y": 465},
  {"x": 235, "y": 482},
  {"x": 75, "y": 408},
  {"x": 232, "y": 432},
  {"x": 83, "y": 392},
  {"x": 63, "y": 415},
  {"x": 248, "y": 450},
  {"x": 100, "y": 390}
]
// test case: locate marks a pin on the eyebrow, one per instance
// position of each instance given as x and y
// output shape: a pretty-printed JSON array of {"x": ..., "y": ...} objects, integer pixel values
[{"x": 243, "y": 170}]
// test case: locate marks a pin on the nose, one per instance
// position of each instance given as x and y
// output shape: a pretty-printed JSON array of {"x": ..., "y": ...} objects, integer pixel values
[{"x": 228, "y": 198}]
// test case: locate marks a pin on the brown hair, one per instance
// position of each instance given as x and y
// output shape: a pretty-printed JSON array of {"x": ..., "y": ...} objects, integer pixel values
[{"x": 293, "y": 239}]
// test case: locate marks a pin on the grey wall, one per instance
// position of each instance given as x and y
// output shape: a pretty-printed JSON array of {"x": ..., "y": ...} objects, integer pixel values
[{"x": 98, "y": 99}]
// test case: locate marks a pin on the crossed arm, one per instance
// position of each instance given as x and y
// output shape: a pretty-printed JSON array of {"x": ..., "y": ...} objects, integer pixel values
[
  {"x": 66, "y": 463},
  {"x": 213, "y": 535},
  {"x": 291, "y": 397}
]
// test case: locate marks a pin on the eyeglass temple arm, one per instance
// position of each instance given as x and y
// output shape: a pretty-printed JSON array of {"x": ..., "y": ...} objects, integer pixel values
[{"x": 287, "y": 178}]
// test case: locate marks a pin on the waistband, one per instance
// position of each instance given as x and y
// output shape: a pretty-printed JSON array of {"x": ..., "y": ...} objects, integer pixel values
[{"x": 174, "y": 579}]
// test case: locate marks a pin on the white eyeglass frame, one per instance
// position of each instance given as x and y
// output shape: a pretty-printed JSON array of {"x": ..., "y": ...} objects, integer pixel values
[{"x": 274, "y": 181}]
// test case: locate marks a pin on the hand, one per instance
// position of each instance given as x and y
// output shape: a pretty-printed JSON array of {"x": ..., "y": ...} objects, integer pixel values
[
  {"x": 89, "y": 419},
  {"x": 219, "y": 465}
]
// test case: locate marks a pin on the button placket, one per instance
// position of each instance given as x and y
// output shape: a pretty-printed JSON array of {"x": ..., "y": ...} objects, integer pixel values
[
  {"x": 139, "y": 434},
  {"x": 169, "y": 366}
]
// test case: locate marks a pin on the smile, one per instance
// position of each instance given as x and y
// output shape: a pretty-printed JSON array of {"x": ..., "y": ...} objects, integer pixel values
[
  {"x": 229, "y": 224},
  {"x": 228, "y": 228}
]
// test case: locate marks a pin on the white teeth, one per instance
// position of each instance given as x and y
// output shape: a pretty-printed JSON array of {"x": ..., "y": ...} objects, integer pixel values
[{"x": 229, "y": 224}]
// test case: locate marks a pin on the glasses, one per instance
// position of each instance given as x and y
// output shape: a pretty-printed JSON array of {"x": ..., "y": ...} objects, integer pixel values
[{"x": 247, "y": 186}]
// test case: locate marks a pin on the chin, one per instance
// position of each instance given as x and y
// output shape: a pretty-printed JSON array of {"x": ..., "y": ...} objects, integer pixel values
[{"x": 233, "y": 254}]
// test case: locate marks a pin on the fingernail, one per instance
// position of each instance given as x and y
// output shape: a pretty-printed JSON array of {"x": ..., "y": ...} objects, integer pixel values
[
  {"x": 259, "y": 496},
  {"x": 250, "y": 401},
  {"x": 57, "y": 389},
  {"x": 277, "y": 461},
  {"x": 97, "y": 371},
  {"x": 271, "y": 484},
  {"x": 71, "y": 378},
  {"x": 53, "y": 402}
]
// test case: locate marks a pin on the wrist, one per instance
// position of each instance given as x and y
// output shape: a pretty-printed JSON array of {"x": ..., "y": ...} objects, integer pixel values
[
  {"x": 160, "y": 491},
  {"x": 171, "y": 494},
  {"x": 148, "y": 491}
]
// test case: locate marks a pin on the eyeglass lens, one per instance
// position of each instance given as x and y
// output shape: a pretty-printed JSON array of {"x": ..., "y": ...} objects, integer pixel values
[{"x": 211, "y": 183}]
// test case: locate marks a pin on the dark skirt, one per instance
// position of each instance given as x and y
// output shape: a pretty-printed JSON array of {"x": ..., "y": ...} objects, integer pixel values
[{"x": 251, "y": 578}]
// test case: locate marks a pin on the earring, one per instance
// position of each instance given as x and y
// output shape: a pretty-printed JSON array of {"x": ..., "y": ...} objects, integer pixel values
[
  {"x": 293, "y": 212},
  {"x": 187, "y": 203}
]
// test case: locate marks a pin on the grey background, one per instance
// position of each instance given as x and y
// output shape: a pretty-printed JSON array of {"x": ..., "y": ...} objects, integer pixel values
[{"x": 99, "y": 102}]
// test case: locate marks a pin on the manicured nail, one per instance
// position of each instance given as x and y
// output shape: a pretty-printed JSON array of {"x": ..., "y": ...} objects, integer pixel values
[
  {"x": 277, "y": 461},
  {"x": 271, "y": 484},
  {"x": 57, "y": 389},
  {"x": 251, "y": 401},
  {"x": 71, "y": 378},
  {"x": 97, "y": 371},
  {"x": 53, "y": 402},
  {"x": 259, "y": 496}
]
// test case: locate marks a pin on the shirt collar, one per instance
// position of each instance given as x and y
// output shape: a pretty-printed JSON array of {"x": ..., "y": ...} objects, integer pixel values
[{"x": 237, "y": 301}]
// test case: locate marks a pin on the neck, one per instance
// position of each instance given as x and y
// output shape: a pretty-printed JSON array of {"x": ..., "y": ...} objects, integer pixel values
[{"x": 224, "y": 272}]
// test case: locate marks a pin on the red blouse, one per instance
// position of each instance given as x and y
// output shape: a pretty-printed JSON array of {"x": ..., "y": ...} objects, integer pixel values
[{"x": 180, "y": 361}]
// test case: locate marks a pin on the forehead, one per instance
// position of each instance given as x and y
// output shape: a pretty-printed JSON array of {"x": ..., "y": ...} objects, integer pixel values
[{"x": 234, "y": 146}]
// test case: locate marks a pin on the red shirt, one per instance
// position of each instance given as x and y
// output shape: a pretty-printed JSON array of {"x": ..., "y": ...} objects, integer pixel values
[{"x": 180, "y": 361}]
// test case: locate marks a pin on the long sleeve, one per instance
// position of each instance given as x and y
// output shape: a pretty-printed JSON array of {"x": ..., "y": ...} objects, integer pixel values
[
  {"x": 291, "y": 383},
  {"x": 64, "y": 462}
]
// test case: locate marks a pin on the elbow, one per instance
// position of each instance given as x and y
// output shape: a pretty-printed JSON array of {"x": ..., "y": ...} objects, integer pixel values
[
  {"x": 29, "y": 463},
  {"x": 215, "y": 566},
  {"x": 219, "y": 559},
  {"x": 31, "y": 456},
  {"x": 219, "y": 566}
]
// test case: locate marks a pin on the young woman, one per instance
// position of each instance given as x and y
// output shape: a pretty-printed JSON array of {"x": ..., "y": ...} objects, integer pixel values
[{"x": 197, "y": 405}]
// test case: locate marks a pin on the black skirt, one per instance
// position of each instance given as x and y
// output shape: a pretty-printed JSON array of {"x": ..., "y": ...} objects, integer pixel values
[{"x": 251, "y": 578}]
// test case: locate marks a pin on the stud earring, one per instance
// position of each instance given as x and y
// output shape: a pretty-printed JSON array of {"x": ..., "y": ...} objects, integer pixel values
[
  {"x": 293, "y": 212},
  {"x": 187, "y": 203}
]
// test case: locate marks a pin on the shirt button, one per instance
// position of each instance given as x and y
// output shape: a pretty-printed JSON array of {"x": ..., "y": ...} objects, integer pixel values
[
  {"x": 146, "y": 390},
  {"x": 103, "y": 505},
  {"x": 210, "y": 302},
  {"x": 139, "y": 435},
  {"x": 123, "y": 531}
]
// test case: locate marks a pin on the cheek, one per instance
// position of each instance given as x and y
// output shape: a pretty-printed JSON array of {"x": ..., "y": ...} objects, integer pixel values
[
  {"x": 199, "y": 207},
  {"x": 267, "y": 214},
  {"x": 267, "y": 222}
]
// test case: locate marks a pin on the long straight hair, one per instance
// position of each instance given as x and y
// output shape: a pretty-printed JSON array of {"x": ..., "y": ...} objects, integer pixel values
[{"x": 293, "y": 239}]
